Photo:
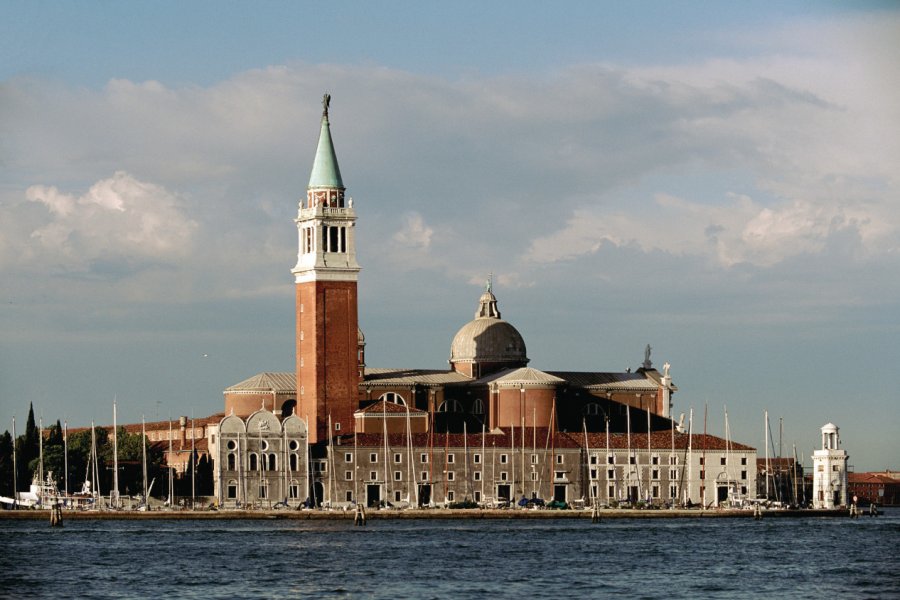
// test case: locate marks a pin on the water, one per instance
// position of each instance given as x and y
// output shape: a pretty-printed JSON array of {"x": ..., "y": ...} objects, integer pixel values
[{"x": 683, "y": 558}]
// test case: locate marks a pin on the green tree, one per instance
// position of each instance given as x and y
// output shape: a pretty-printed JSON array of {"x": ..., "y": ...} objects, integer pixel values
[{"x": 27, "y": 450}]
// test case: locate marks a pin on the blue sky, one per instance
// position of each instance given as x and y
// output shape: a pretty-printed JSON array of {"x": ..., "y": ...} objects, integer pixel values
[{"x": 716, "y": 179}]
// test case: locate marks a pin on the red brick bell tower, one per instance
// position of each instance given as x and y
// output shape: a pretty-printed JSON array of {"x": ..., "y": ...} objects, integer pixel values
[{"x": 325, "y": 275}]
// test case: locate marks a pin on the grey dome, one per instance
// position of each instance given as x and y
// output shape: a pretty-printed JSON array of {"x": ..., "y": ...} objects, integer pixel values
[{"x": 488, "y": 338}]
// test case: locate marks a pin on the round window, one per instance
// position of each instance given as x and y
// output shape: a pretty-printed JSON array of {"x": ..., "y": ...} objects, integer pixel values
[
  {"x": 294, "y": 444},
  {"x": 231, "y": 445},
  {"x": 264, "y": 445}
]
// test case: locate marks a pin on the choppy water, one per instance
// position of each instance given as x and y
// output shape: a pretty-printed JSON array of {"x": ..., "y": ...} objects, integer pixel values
[{"x": 683, "y": 558}]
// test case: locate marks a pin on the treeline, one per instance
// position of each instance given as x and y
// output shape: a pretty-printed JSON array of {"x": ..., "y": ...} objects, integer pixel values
[{"x": 130, "y": 451}]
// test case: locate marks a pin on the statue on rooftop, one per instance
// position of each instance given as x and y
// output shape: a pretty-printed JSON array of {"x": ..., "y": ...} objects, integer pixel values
[{"x": 326, "y": 102}]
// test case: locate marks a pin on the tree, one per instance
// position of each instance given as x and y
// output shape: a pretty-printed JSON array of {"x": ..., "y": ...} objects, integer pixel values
[{"x": 27, "y": 450}]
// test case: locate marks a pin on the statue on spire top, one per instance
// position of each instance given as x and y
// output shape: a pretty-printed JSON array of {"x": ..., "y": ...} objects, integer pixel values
[{"x": 326, "y": 102}]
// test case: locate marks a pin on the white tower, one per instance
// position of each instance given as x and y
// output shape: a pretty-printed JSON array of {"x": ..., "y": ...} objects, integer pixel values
[{"x": 830, "y": 471}]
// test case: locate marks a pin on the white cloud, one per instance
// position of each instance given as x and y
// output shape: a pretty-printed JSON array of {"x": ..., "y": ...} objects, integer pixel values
[
  {"x": 118, "y": 220},
  {"x": 415, "y": 233}
]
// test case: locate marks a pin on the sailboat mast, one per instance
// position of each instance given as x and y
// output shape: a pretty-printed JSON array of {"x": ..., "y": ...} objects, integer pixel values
[
  {"x": 144, "y": 458},
  {"x": 607, "y": 456},
  {"x": 15, "y": 470},
  {"x": 466, "y": 459},
  {"x": 690, "y": 489},
  {"x": 95, "y": 473},
  {"x": 66, "y": 457},
  {"x": 169, "y": 462},
  {"x": 385, "y": 435},
  {"x": 483, "y": 455},
  {"x": 766, "y": 443},
  {"x": 115, "y": 502},
  {"x": 704, "y": 471},
  {"x": 411, "y": 489},
  {"x": 193, "y": 464},
  {"x": 41, "y": 462},
  {"x": 587, "y": 452},
  {"x": 649, "y": 460}
]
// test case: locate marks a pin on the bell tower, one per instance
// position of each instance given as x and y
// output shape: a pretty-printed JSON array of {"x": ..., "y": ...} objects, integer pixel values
[{"x": 325, "y": 276}]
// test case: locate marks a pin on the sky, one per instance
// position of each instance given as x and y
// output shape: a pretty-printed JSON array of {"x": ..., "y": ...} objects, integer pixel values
[{"x": 717, "y": 180}]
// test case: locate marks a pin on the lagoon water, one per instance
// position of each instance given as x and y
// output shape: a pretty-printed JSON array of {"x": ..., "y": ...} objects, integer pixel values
[{"x": 658, "y": 558}]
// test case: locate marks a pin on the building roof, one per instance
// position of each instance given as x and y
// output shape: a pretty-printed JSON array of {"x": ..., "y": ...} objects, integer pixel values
[
  {"x": 278, "y": 382},
  {"x": 395, "y": 377},
  {"x": 638, "y": 382},
  {"x": 525, "y": 376},
  {"x": 384, "y": 407},
  {"x": 325, "y": 171}
]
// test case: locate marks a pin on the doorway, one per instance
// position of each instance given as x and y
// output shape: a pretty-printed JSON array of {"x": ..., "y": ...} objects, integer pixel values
[{"x": 373, "y": 495}]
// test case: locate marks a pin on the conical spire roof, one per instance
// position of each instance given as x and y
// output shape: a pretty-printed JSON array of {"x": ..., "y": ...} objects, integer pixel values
[{"x": 325, "y": 171}]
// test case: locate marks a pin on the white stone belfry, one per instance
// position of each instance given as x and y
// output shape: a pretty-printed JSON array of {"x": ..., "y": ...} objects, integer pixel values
[{"x": 830, "y": 471}]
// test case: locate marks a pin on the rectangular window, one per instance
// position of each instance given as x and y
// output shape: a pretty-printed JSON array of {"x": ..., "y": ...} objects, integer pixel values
[
  {"x": 397, "y": 475},
  {"x": 397, "y": 496},
  {"x": 232, "y": 491},
  {"x": 743, "y": 460},
  {"x": 451, "y": 459},
  {"x": 559, "y": 475},
  {"x": 533, "y": 476},
  {"x": 673, "y": 491},
  {"x": 593, "y": 473},
  {"x": 534, "y": 459},
  {"x": 348, "y": 457},
  {"x": 673, "y": 460},
  {"x": 559, "y": 459},
  {"x": 398, "y": 458},
  {"x": 722, "y": 461},
  {"x": 702, "y": 474},
  {"x": 702, "y": 460},
  {"x": 424, "y": 475},
  {"x": 424, "y": 458},
  {"x": 611, "y": 491},
  {"x": 263, "y": 492},
  {"x": 611, "y": 459},
  {"x": 373, "y": 458},
  {"x": 477, "y": 496},
  {"x": 655, "y": 491},
  {"x": 655, "y": 473},
  {"x": 450, "y": 475},
  {"x": 451, "y": 496},
  {"x": 477, "y": 475},
  {"x": 654, "y": 460},
  {"x": 349, "y": 496},
  {"x": 348, "y": 475},
  {"x": 476, "y": 459},
  {"x": 504, "y": 459},
  {"x": 743, "y": 474},
  {"x": 673, "y": 473},
  {"x": 611, "y": 474},
  {"x": 632, "y": 460},
  {"x": 373, "y": 476},
  {"x": 593, "y": 459},
  {"x": 504, "y": 476},
  {"x": 294, "y": 491}
]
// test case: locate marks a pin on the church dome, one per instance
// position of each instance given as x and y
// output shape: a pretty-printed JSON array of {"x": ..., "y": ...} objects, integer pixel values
[{"x": 488, "y": 338}]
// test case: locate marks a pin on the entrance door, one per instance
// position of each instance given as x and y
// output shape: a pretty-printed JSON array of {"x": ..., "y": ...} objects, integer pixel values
[
  {"x": 722, "y": 493},
  {"x": 633, "y": 493},
  {"x": 319, "y": 492},
  {"x": 424, "y": 494},
  {"x": 373, "y": 495},
  {"x": 503, "y": 492},
  {"x": 559, "y": 493}
]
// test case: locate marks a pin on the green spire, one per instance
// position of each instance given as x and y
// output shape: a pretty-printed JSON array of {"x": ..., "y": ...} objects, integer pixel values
[{"x": 325, "y": 172}]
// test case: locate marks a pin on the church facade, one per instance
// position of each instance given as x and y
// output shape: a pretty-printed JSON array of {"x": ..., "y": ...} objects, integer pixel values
[{"x": 489, "y": 429}]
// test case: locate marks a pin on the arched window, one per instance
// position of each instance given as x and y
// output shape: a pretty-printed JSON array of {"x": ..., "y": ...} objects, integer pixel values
[
  {"x": 287, "y": 409},
  {"x": 451, "y": 406},
  {"x": 294, "y": 462},
  {"x": 232, "y": 462},
  {"x": 272, "y": 464},
  {"x": 253, "y": 462},
  {"x": 478, "y": 407},
  {"x": 393, "y": 397}
]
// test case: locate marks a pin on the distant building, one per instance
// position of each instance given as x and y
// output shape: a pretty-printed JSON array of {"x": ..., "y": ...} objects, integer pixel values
[
  {"x": 781, "y": 480},
  {"x": 882, "y": 488}
]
